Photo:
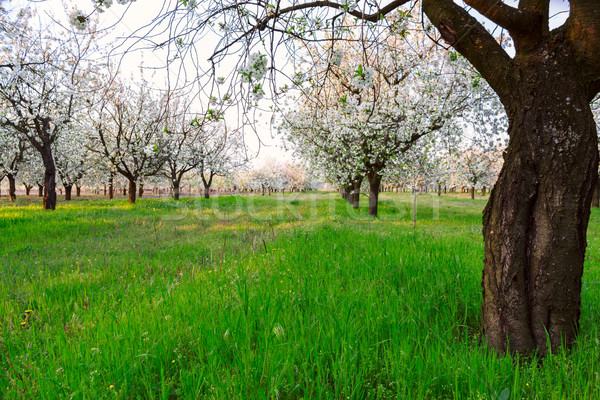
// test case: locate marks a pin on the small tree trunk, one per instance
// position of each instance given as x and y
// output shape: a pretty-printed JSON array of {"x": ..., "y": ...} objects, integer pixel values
[
  {"x": 439, "y": 190},
  {"x": 207, "y": 193},
  {"x": 141, "y": 190},
  {"x": 12, "y": 188},
  {"x": 374, "y": 184},
  {"x": 111, "y": 186},
  {"x": 40, "y": 190},
  {"x": 356, "y": 194},
  {"x": 176, "y": 189},
  {"x": 483, "y": 191},
  {"x": 348, "y": 193},
  {"x": 68, "y": 190},
  {"x": 132, "y": 191},
  {"x": 27, "y": 189},
  {"x": 49, "y": 179},
  {"x": 472, "y": 192}
]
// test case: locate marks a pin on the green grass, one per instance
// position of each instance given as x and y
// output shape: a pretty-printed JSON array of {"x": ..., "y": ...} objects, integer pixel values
[{"x": 263, "y": 297}]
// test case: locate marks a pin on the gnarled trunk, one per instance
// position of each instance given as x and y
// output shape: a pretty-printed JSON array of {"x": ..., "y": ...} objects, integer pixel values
[
  {"x": 175, "y": 189},
  {"x": 374, "y": 184},
  {"x": 356, "y": 194},
  {"x": 68, "y": 190},
  {"x": 132, "y": 191},
  {"x": 536, "y": 220},
  {"x": 111, "y": 187},
  {"x": 49, "y": 179},
  {"x": 12, "y": 188}
]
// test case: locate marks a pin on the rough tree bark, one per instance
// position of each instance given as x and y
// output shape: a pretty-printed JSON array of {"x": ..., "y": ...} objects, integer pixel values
[
  {"x": 49, "y": 179},
  {"x": 68, "y": 191},
  {"x": 356, "y": 193},
  {"x": 535, "y": 222},
  {"x": 374, "y": 179},
  {"x": 12, "y": 188},
  {"x": 176, "y": 187},
  {"x": 132, "y": 191}
]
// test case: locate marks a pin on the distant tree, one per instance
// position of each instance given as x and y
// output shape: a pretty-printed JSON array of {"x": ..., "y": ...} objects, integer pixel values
[
  {"x": 43, "y": 75},
  {"x": 129, "y": 131},
  {"x": 13, "y": 148}
]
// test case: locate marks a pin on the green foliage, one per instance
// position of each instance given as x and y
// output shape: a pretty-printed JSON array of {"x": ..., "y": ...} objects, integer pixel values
[{"x": 255, "y": 297}]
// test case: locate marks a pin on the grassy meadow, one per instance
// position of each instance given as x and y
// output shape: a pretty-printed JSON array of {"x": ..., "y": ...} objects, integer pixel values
[{"x": 281, "y": 297}]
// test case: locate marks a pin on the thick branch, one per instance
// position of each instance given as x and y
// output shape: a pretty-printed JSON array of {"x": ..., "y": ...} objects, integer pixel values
[
  {"x": 513, "y": 19},
  {"x": 473, "y": 41},
  {"x": 583, "y": 32},
  {"x": 539, "y": 6}
]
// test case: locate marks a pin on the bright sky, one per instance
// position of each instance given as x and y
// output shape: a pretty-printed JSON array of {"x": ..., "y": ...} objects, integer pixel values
[{"x": 141, "y": 13}]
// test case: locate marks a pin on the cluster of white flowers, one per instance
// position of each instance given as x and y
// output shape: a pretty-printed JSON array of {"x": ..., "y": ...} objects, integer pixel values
[
  {"x": 336, "y": 57},
  {"x": 255, "y": 69},
  {"x": 258, "y": 92},
  {"x": 363, "y": 77},
  {"x": 150, "y": 150},
  {"x": 78, "y": 19}
]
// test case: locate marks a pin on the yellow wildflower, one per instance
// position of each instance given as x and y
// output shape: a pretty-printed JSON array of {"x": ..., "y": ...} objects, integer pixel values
[
  {"x": 23, "y": 323},
  {"x": 28, "y": 311}
]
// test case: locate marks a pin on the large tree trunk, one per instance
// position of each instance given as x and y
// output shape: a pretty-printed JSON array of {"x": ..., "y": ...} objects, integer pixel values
[
  {"x": 132, "y": 191},
  {"x": 536, "y": 220},
  {"x": 68, "y": 190},
  {"x": 374, "y": 184},
  {"x": 49, "y": 179},
  {"x": 207, "y": 192},
  {"x": 12, "y": 188}
]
